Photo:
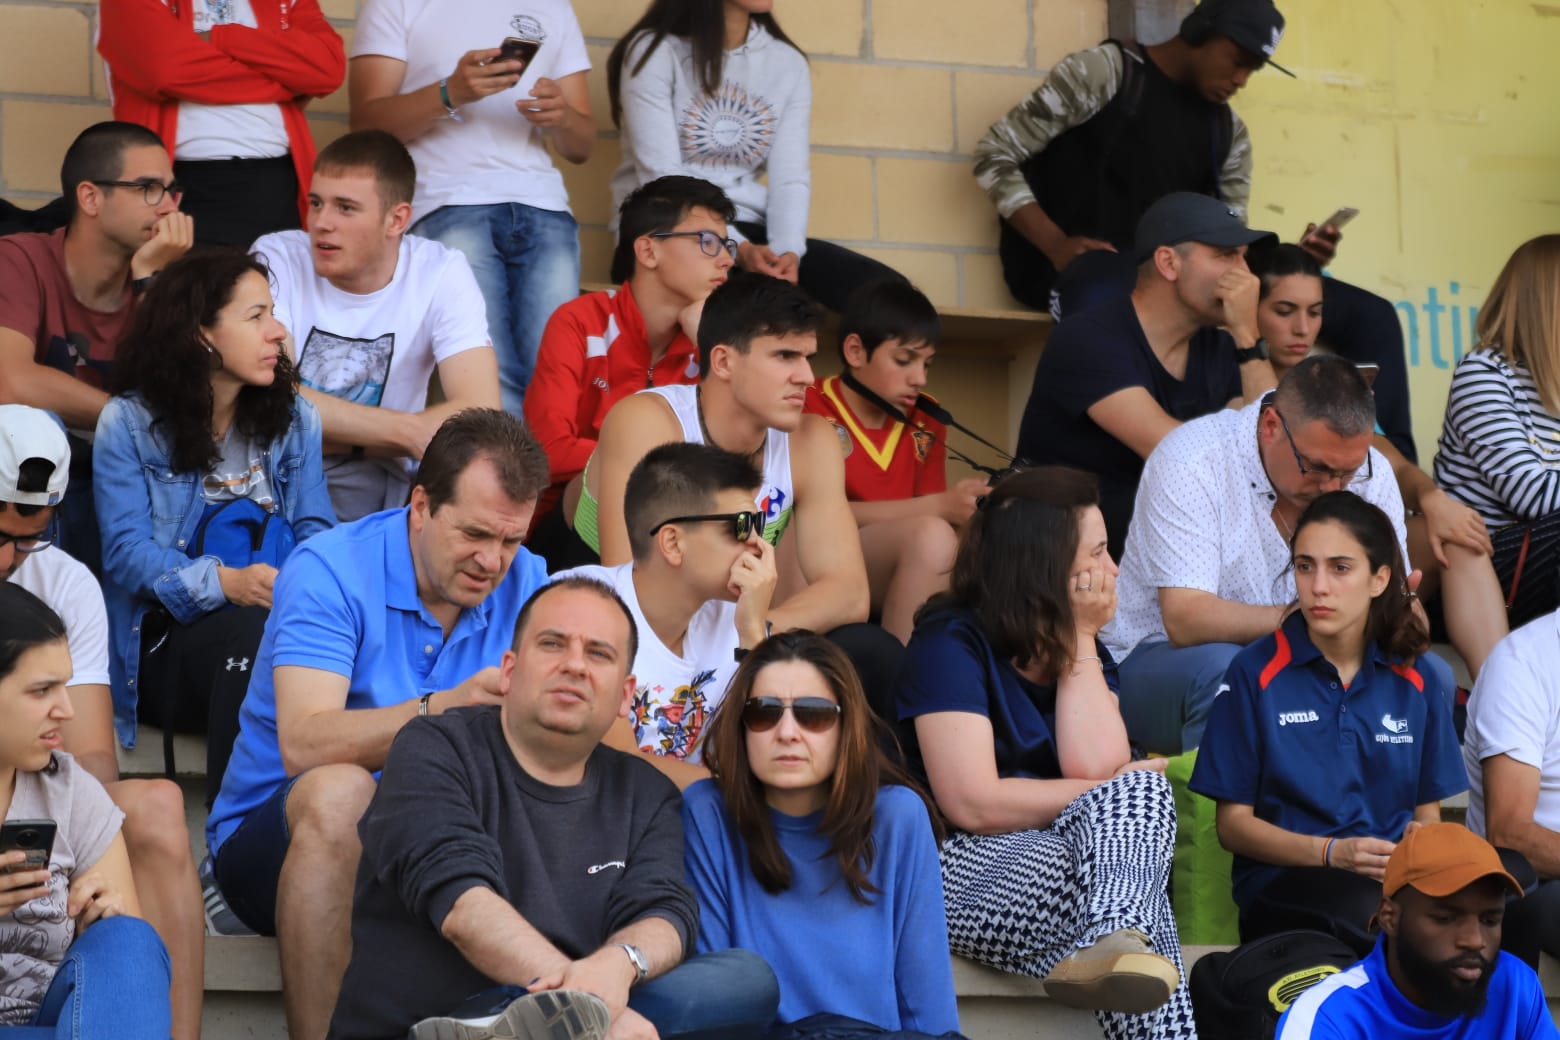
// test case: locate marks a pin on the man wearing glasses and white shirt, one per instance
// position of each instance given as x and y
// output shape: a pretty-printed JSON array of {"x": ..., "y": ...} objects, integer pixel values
[{"x": 1206, "y": 566}]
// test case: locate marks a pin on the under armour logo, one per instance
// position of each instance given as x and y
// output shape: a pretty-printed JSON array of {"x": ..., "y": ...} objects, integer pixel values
[{"x": 238, "y": 664}]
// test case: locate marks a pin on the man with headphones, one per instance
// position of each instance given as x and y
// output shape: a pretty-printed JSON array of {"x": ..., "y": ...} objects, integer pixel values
[{"x": 1073, "y": 167}]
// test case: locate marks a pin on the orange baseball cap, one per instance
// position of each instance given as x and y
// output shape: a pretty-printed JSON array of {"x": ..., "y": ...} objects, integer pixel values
[{"x": 1441, "y": 858}]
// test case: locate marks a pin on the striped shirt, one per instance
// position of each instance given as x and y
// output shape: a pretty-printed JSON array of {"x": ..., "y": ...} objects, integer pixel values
[{"x": 1500, "y": 449}]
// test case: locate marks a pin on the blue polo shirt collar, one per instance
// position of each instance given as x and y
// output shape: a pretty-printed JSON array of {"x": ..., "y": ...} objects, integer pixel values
[
  {"x": 401, "y": 579},
  {"x": 1302, "y": 652}
]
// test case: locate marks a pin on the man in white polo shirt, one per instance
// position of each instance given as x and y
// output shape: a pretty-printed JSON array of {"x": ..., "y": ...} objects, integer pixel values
[
  {"x": 1512, "y": 751},
  {"x": 1206, "y": 566},
  {"x": 371, "y": 311}
]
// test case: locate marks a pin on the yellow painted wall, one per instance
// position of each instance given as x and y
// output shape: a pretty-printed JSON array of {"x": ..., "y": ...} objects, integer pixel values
[{"x": 1438, "y": 120}]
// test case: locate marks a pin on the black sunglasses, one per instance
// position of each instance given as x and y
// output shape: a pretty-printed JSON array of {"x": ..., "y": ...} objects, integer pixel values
[
  {"x": 743, "y": 525},
  {"x": 815, "y": 714}
]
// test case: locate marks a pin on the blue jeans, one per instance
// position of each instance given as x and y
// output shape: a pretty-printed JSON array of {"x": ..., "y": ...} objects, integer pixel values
[
  {"x": 112, "y": 982},
  {"x": 726, "y": 995},
  {"x": 527, "y": 263},
  {"x": 1167, "y": 691}
]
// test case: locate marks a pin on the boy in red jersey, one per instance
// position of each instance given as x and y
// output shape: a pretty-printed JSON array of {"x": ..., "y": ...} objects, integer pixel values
[{"x": 895, "y": 473}]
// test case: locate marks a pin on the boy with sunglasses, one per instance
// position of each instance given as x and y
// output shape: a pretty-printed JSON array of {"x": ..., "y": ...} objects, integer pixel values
[
  {"x": 698, "y": 588},
  {"x": 603, "y": 346},
  {"x": 895, "y": 461}
]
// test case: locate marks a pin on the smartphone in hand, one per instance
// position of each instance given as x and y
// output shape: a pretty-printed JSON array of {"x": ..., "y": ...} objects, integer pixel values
[
  {"x": 34, "y": 837},
  {"x": 518, "y": 48},
  {"x": 1341, "y": 216}
]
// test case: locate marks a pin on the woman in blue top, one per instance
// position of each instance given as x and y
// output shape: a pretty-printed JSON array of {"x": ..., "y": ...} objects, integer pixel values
[
  {"x": 1061, "y": 855},
  {"x": 207, "y": 469},
  {"x": 1328, "y": 744},
  {"x": 808, "y": 849}
]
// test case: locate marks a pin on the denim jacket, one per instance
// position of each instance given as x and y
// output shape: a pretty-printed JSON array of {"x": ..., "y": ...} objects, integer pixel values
[{"x": 148, "y": 513}]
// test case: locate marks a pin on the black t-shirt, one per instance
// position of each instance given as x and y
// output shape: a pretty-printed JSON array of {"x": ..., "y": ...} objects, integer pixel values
[{"x": 1095, "y": 354}]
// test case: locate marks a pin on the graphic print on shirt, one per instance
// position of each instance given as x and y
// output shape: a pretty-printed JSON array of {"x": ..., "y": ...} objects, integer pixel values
[
  {"x": 731, "y": 127},
  {"x": 352, "y": 369},
  {"x": 528, "y": 28},
  {"x": 1396, "y": 731},
  {"x": 70, "y": 354},
  {"x": 220, "y": 487},
  {"x": 672, "y": 726},
  {"x": 33, "y": 941}
]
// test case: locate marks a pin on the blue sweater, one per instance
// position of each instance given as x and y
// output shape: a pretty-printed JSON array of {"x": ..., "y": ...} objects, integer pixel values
[{"x": 885, "y": 962}]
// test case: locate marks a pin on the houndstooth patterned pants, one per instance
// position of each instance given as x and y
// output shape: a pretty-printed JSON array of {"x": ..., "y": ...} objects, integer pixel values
[{"x": 1023, "y": 901}]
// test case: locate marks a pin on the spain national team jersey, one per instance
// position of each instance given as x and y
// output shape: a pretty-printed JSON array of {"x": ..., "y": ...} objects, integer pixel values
[{"x": 899, "y": 460}]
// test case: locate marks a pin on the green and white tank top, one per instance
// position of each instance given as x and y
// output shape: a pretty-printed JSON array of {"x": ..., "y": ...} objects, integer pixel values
[{"x": 775, "y": 494}]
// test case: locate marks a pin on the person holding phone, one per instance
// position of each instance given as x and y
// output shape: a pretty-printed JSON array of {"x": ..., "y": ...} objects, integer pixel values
[
  {"x": 478, "y": 90},
  {"x": 807, "y": 819},
  {"x": 1336, "y": 683},
  {"x": 77, "y": 957},
  {"x": 1446, "y": 539},
  {"x": 715, "y": 89}
]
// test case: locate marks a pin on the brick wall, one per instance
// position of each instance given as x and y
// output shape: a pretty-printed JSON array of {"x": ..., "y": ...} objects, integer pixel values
[{"x": 902, "y": 91}]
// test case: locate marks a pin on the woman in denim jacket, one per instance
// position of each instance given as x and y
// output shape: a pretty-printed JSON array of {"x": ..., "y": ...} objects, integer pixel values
[{"x": 207, "y": 436}]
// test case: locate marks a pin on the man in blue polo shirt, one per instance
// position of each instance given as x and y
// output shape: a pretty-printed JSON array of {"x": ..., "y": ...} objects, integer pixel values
[
  {"x": 400, "y": 614},
  {"x": 1437, "y": 972}
]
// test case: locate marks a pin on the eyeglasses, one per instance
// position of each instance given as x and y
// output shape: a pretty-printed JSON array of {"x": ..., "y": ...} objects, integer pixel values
[
  {"x": 709, "y": 242},
  {"x": 814, "y": 714},
  {"x": 31, "y": 543},
  {"x": 743, "y": 525},
  {"x": 1318, "y": 472},
  {"x": 151, "y": 191}
]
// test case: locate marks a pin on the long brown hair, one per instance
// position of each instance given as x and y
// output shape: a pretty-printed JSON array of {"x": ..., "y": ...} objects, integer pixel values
[
  {"x": 860, "y": 767},
  {"x": 1521, "y": 317},
  {"x": 701, "y": 22},
  {"x": 1015, "y": 561}
]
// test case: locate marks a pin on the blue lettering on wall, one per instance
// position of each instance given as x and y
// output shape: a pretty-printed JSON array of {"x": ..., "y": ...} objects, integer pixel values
[{"x": 1460, "y": 336}]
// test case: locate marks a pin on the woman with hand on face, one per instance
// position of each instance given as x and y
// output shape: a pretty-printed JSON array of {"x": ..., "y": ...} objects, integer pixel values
[
  {"x": 1058, "y": 864},
  {"x": 714, "y": 89},
  {"x": 1327, "y": 743},
  {"x": 207, "y": 471},
  {"x": 808, "y": 849},
  {"x": 76, "y": 957},
  {"x": 1447, "y": 541}
]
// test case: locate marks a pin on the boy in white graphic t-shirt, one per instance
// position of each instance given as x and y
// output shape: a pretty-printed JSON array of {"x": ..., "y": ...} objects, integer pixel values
[
  {"x": 371, "y": 312},
  {"x": 699, "y": 588}
]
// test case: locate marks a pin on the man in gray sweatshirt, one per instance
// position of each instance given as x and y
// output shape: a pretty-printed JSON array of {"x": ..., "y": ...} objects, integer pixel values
[{"x": 508, "y": 851}]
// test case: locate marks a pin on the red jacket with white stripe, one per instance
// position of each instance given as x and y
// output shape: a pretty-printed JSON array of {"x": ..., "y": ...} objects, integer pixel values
[{"x": 155, "y": 61}]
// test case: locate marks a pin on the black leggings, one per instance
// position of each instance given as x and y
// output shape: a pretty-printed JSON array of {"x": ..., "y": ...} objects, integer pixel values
[{"x": 194, "y": 678}]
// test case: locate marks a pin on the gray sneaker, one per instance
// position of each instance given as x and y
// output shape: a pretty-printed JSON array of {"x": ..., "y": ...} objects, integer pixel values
[
  {"x": 220, "y": 918},
  {"x": 555, "y": 1014},
  {"x": 1119, "y": 972}
]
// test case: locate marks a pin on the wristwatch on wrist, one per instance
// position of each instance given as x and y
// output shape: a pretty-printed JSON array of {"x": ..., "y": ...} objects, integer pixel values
[
  {"x": 424, "y": 703},
  {"x": 1258, "y": 351},
  {"x": 637, "y": 959}
]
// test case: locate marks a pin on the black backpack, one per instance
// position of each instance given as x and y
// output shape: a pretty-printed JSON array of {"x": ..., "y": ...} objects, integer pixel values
[{"x": 1241, "y": 994}]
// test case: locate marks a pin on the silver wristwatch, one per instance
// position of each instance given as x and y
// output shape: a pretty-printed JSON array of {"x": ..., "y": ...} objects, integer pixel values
[{"x": 637, "y": 959}]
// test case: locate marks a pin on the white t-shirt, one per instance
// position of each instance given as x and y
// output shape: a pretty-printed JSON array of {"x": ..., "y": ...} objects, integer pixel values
[
  {"x": 70, "y": 590},
  {"x": 33, "y": 940},
  {"x": 1203, "y": 520},
  {"x": 228, "y": 131},
  {"x": 1515, "y": 710},
  {"x": 489, "y": 153},
  {"x": 376, "y": 348},
  {"x": 675, "y": 697}
]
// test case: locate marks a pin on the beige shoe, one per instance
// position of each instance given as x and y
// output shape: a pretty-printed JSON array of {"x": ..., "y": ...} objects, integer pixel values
[{"x": 1120, "y": 972}]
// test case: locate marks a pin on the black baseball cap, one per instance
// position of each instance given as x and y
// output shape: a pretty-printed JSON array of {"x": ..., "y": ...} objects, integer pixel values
[
  {"x": 1185, "y": 216},
  {"x": 1254, "y": 25}
]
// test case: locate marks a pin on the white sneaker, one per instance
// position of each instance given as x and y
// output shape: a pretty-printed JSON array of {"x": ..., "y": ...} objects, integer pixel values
[{"x": 555, "y": 1014}]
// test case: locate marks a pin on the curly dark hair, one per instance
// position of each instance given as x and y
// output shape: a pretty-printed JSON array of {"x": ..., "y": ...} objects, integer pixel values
[{"x": 164, "y": 358}]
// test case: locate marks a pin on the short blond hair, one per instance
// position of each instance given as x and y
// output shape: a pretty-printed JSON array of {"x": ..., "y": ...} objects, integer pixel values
[{"x": 1521, "y": 317}]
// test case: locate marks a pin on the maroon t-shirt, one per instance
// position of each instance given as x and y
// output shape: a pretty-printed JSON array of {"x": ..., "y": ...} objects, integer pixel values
[{"x": 36, "y": 300}]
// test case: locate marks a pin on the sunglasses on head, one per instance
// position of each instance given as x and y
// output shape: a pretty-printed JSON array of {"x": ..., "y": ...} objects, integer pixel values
[
  {"x": 743, "y": 525},
  {"x": 817, "y": 714}
]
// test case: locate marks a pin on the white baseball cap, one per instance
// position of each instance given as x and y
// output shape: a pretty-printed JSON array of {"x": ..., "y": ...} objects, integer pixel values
[{"x": 28, "y": 434}]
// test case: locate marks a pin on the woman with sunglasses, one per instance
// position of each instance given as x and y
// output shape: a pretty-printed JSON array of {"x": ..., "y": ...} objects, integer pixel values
[
  {"x": 1059, "y": 859},
  {"x": 1337, "y": 685},
  {"x": 78, "y": 960},
  {"x": 1446, "y": 538},
  {"x": 809, "y": 848},
  {"x": 714, "y": 89},
  {"x": 207, "y": 470}
]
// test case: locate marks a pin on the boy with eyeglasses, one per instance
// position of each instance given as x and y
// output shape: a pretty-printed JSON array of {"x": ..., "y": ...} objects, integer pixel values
[
  {"x": 66, "y": 295},
  {"x": 599, "y": 348},
  {"x": 699, "y": 589}
]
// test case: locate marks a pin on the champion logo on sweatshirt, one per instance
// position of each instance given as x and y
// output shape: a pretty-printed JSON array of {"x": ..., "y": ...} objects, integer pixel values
[{"x": 599, "y": 867}]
